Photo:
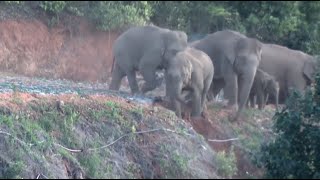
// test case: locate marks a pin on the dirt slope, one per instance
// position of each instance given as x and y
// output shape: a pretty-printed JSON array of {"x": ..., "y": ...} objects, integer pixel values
[{"x": 106, "y": 137}]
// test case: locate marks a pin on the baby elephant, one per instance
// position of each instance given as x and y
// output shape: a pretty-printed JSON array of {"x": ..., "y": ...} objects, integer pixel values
[
  {"x": 191, "y": 71},
  {"x": 263, "y": 85}
]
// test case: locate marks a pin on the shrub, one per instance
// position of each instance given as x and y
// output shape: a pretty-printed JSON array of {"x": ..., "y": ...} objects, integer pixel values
[{"x": 295, "y": 151}]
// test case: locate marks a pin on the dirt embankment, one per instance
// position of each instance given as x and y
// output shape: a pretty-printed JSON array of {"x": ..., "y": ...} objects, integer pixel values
[{"x": 75, "y": 51}]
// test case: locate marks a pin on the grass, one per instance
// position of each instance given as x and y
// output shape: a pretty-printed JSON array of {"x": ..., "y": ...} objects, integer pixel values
[
  {"x": 250, "y": 134},
  {"x": 175, "y": 165},
  {"x": 93, "y": 126},
  {"x": 226, "y": 163},
  {"x": 38, "y": 134}
]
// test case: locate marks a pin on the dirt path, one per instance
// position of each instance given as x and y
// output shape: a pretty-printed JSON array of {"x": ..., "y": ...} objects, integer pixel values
[{"x": 11, "y": 83}]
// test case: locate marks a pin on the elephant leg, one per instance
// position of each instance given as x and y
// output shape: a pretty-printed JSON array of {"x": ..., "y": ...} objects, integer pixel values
[
  {"x": 245, "y": 84},
  {"x": 177, "y": 107},
  {"x": 265, "y": 100},
  {"x": 117, "y": 76},
  {"x": 196, "y": 105},
  {"x": 216, "y": 86},
  {"x": 206, "y": 88},
  {"x": 231, "y": 88},
  {"x": 298, "y": 83},
  {"x": 260, "y": 99},
  {"x": 131, "y": 75},
  {"x": 148, "y": 71},
  {"x": 252, "y": 102},
  {"x": 247, "y": 104}
]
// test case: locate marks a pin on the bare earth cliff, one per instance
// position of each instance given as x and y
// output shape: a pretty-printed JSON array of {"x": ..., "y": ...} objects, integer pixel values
[{"x": 81, "y": 53}]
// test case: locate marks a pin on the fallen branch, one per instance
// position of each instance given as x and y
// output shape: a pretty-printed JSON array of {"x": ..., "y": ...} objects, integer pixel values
[
  {"x": 139, "y": 132},
  {"x": 102, "y": 147},
  {"x": 20, "y": 141},
  {"x": 71, "y": 150},
  {"x": 224, "y": 140}
]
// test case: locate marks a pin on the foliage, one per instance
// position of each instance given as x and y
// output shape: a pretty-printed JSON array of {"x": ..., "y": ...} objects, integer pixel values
[
  {"x": 293, "y": 24},
  {"x": 110, "y": 15},
  {"x": 295, "y": 151},
  {"x": 53, "y": 6},
  {"x": 226, "y": 162}
]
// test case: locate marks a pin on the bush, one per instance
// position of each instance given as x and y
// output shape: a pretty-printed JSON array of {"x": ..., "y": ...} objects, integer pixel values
[
  {"x": 110, "y": 15},
  {"x": 295, "y": 151}
]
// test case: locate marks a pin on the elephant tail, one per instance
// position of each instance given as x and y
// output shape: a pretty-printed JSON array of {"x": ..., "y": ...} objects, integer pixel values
[{"x": 112, "y": 64}]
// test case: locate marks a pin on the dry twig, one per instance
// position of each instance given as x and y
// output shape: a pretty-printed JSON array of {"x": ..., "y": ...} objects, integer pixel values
[
  {"x": 20, "y": 141},
  {"x": 224, "y": 140},
  {"x": 102, "y": 147}
]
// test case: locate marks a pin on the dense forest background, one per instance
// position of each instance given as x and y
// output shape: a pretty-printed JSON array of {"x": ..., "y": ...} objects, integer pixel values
[{"x": 294, "y": 24}]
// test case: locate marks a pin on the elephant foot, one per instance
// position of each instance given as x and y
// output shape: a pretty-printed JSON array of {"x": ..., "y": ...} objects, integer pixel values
[
  {"x": 232, "y": 107},
  {"x": 158, "y": 99},
  {"x": 204, "y": 114},
  {"x": 196, "y": 118},
  {"x": 186, "y": 116},
  {"x": 233, "y": 117}
]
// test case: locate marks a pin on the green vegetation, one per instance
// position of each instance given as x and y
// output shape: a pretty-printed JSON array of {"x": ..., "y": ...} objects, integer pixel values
[
  {"x": 42, "y": 140},
  {"x": 295, "y": 152},
  {"x": 293, "y": 24},
  {"x": 226, "y": 163}
]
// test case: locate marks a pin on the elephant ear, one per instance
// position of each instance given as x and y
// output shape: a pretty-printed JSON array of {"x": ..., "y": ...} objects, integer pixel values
[{"x": 308, "y": 70}]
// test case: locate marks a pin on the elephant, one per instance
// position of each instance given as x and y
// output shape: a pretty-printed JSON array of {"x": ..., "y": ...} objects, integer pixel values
[
  {"x": 291, "y": 68},
  {"x": 190, "y": 72},
  {"x": 145, "y": 49},
  {"x": 263, "y": 85},
  {"x": 236, "y": 58}
]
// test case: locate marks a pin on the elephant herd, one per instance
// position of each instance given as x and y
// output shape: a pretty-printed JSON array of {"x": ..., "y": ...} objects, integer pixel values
[{"x": 243, "y": 67}]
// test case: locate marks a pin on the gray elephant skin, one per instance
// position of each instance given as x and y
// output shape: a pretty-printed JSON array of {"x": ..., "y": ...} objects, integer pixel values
[
  {"x": 236, "y": 58},
  {"x": 263, "y": 85},
  {"x": 144, "y": 49},
  {"x": 190, "y": 71},
  {"x": 291, "y": 68}
]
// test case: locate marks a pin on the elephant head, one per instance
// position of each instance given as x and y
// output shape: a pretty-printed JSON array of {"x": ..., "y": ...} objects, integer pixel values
[
  {"x": 247, "y": 56},
  {"x": 178, "y": 75}
]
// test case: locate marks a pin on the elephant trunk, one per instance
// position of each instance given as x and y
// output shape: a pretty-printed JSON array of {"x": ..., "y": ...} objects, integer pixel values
[
  {"x": 245, "y": 87},
  {"x": 175, "y": 94},
  {"x": 178, "y": 92}
]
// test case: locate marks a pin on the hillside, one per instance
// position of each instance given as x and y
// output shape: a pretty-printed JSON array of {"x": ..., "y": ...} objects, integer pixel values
[
  {"x": 58, "y": 120},
  {"x": 48, "y": 131}
]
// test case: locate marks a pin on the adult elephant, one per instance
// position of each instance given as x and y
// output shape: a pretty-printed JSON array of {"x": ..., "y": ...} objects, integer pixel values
[
  {"x": 144, "y": 49},
  {"x": 236, "y": 59},
  {"x": 291, "y": 68}
]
